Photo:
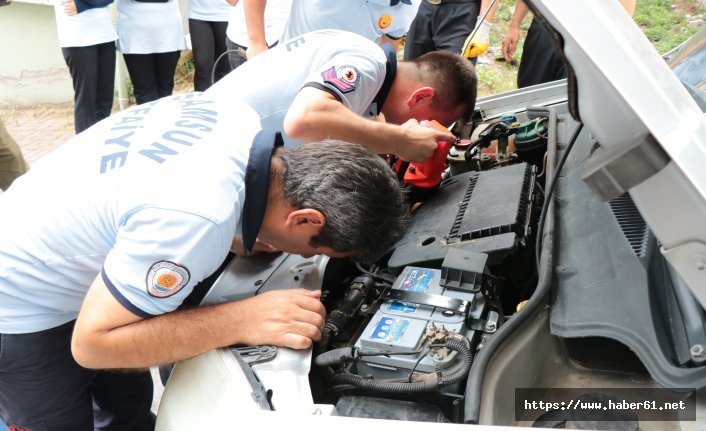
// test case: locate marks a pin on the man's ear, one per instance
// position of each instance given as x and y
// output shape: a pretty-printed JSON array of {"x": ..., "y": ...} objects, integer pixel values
[
  {"x": 307, "y": 218},
  {"x": 421, "y": 95}
]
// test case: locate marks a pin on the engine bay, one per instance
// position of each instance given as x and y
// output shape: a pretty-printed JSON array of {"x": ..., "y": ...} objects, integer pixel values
[{"x": 467, "y": 307}]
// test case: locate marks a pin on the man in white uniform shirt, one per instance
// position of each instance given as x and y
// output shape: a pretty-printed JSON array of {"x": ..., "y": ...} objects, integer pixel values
[
  {"x": 382, "y": 21},
  {"x": 323, "y": 83},
  {"x": 105, "y": 237}
]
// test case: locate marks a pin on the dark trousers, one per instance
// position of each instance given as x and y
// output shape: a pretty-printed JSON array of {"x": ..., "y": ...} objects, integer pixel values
[
  {"x": 208, "y": 42},
  {"x": 442, "y": 27},
  {"x": 43, "y": 388},
  {"x": 92, "y": 70},
  {"x": 540, "y": 60},
  {"x": 152, "y": 75},
  {"x": 236, "y": 54}
]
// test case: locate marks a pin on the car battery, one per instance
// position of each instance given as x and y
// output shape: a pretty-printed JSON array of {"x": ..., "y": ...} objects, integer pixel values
[{"x": 399, "y": 327}]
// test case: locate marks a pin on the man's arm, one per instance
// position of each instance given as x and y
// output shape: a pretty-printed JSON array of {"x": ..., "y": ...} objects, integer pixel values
[
  {"x": 107, "y": 335},
  {"x": 629, "y": 6},
  {"x": 513, "y": 32},
  {"x": 255, "y": 21},
  {"x": 387, "y": 39},
  {"x": 315, "y": 115}
]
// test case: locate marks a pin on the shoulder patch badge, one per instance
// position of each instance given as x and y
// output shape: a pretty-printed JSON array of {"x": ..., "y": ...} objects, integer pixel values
[
  {"x": 385, "y": 21},
  {"x": 344, "y": 78},
  {"x": 166, "y": 278}
]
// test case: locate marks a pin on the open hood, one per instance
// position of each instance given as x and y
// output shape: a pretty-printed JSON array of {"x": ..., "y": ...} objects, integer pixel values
[{"x": 651, "y": 133}]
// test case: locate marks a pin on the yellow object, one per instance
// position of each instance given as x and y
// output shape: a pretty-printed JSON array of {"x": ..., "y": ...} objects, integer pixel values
[{"x": 477, "y": 42}]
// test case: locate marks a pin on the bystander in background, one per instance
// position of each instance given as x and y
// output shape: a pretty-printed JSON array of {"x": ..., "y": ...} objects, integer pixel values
[
  {"x": 12, "y": 164},
  {"x": 275, "y": 17},
  {"x": 540, "y": 61},
  {"x": 87, "y": 40},
  {"x": 446, "y": 25},
  {"x": 151, "y": 38},
  {"x": 208, "y": 20}
]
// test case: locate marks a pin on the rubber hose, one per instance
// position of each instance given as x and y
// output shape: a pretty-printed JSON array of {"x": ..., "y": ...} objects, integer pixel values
[
  {"x": 410, "y": 387},
  {"x": 335, "y": 357}
]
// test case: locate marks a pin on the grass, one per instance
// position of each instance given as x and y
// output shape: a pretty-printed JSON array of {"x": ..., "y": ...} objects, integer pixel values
[{"x": 666, "y": 23}]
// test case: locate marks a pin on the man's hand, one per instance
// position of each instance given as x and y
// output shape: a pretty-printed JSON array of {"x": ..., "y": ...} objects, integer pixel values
[
  {"x": 289, "y": 318},
  {"x": 255, "y": 49},
  {"x": 108, "y": 335},
  {"x": 479, "y": 43},
  {"x": 70, "y": 7},
  {"x": 513, "y": 32},
  {"x": 420, "y": 141},
  {"x": 510, "y": 43}
]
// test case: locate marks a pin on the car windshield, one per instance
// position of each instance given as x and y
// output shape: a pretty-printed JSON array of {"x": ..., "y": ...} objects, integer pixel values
[{"x": 689, "y": 64}]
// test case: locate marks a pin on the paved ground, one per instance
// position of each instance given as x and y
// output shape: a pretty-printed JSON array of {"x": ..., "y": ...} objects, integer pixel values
[{"x": 38, "y": 130}]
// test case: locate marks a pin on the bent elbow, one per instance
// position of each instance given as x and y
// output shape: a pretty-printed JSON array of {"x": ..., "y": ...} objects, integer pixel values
[
  {"x": 298, "y": 126},
  {"x": 82, "y": 353}
]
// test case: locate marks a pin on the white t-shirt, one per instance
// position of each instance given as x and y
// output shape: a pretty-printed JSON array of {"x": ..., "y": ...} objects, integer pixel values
[
  {"x": 150, "y": 197},
  {"x": 90, "y": 27},
  {"x": 209, "y": 10},
  {"x": 344, "y": 64},
  {"x": 276, "y": 16},
  {"x": 149, "y": 28},
  {"x": 368, "y": 18}
]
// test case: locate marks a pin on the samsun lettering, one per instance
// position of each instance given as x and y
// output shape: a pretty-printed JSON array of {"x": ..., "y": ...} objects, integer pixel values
[{"x": 193, "y": 123}]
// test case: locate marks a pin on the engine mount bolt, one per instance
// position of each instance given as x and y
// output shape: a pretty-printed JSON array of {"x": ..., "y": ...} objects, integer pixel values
[
  {"x": 697, "y": 351},
  {"x": 363, "y": 307},
  {"x": 491, "y": 325}
]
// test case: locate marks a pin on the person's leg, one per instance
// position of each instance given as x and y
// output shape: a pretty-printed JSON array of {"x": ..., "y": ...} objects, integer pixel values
[
  {"x": 165, "y": 67},
  {"x": 540, "y": 61},
  {"x": 83, "y": 67},
  {"x": 452, "y": 25},
  {"x": 419, "y": 37},
  {"x": 219, "y": 33},
  {"x": 122, "y": 401},
  {"x": 12, "y": 164},
  {"x": 236, "y": 54},
  {"x": 41, "y": 386},
  {"x": 106, "y": 80},
  {"x": 202, "y": 46},
  {"x": 141, "y": 68}
]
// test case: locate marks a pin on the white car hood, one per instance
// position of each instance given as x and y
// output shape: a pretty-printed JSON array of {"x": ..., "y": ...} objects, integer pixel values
[{"x": 629, "y": 98}]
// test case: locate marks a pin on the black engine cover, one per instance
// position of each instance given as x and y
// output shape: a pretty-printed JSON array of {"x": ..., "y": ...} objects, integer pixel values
[{"x": 486, "y": 212}]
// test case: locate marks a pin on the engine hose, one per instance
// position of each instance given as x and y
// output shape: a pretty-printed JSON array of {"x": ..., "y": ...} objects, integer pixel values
[
  {"x": 474, "y": 385},
  {"x": 466, "y": 357},
  {"x": 336, "y": 357}
]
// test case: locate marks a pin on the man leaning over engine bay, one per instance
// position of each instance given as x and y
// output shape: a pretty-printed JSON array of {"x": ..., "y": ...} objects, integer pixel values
[
  {"x": 325, "y": 83},
  {"x": 96, "y": 258}
]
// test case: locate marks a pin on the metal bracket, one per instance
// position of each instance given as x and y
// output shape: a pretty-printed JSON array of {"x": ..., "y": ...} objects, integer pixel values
[
  {"x": 610, "y": 172},
  {"x": 454, "y": 304},
  {"x": 489, "y": 326},
  {"x": 256, "y": 354}
]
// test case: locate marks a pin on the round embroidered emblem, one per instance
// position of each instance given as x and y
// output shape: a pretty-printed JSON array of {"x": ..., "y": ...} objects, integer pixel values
[
  {"x": 348, "y": 74},
  {"x": 166, "y": 278},
  {"x": 385, "y": 21}
]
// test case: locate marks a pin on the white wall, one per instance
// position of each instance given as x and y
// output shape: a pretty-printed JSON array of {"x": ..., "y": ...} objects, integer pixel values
[{"x": 32, "y": 69}]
